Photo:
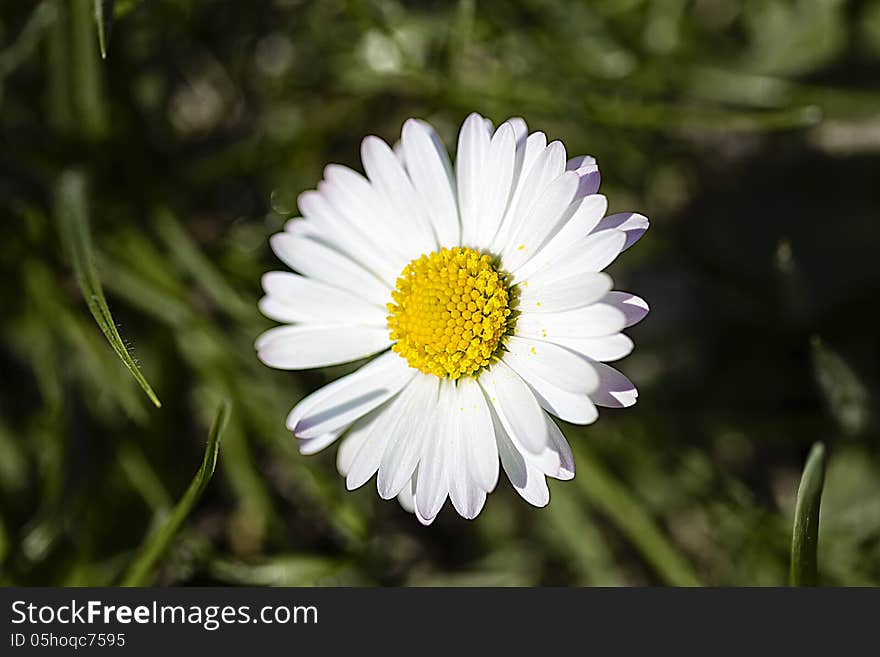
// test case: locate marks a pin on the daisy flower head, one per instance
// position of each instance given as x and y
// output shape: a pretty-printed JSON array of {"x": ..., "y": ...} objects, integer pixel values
[{"x": 478, "y": 287}]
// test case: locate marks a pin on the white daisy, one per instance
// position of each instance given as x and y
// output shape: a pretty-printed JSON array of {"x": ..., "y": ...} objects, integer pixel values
[{"x": 481, "y": 285}]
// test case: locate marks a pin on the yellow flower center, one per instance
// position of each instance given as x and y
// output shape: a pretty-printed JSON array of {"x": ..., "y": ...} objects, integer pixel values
[{"x": 449, "y": 312}]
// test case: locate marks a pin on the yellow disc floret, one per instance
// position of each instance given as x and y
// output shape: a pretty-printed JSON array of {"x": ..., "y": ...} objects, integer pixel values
[{"x": 449, "y": 312}]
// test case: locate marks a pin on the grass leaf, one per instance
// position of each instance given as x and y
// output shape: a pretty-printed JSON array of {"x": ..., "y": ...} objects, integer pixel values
[
  {"x": 284, "y": 570},
  {"x": 612, "y": 498},
  {"x": 104, "y": 21},
  {"x": 28, "y": 40},
  {"x": 141, "y": 571},
  {"x": 846, "y": 395},
  {"x": 186, "y": 252},
  {"x": 805, "y": 536},
  {"x": 84, "y": 72},
  {"x": 72, "y": 213}
]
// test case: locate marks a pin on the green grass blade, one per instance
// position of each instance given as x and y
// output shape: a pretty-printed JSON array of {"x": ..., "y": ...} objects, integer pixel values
[
  {"x": 72, "y": 214},
  {"x": 141, "y": 571},
  {"x": 143, "y": 477},
  {"x": 26, "y": 43},
  {"x": 612, "y": 498},
  {"x": 285, "y": 570},
  {"x": 104, "y": 21},
  {"x": 805, "y": 536},
  {"x": 846, "y": 395},
  {"x": 84, "y": 70},
  {"x": 59, "y": 88},
  {"x": 186, "y": 252},
  {"x": 123, "y": 7}
]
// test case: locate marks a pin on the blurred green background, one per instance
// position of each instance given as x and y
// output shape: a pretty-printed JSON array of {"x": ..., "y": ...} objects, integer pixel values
[{"x": 749, "y": 132}]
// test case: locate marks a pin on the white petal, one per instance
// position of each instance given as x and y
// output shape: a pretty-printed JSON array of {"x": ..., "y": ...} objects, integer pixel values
[
  {"x": 395, "y": 188},
  {"x": 405, "y": 449},
  {"x": 579, "y": 162},
  {"x": 343, "y": 401},
  {"x": 300, "y": 227},
  {"x": 280, "y": 311},
  {"x": 547, "y": 166},
  {"x": 605, "y": 348},
  {"x": 587, "y": 213},
  {"x": 590, "y": 322},
  {"x": 312, "y": 258},
  {"x": 589, "y": 254},
  {"x": 558, "y": 365},
  {"x": 333, "y": 225},
  {"x": 528, "y": 481},
  {"x": 633, "y": 224},
  {"x": 356, "y": 437},
  {"x": 341, "y": 208},
  {"x": 574, "y": 292},
  {"x": 310, "y": 446},
  {"x": 397, "y": 147},
  {"x": 361, "y": 206},
  {"x": 634, "y": 308},
  {"x": 477, "y": 433},
  {"x": 432, "y": 487},
  {"x": 465, "y": 493},
  {"x": 520, "y": 136},
  {"x": 520, "y": 128},
  {"x": 544, "y": 218},
  {"x": 294, "y": 298},
  {"x": 375, "y": 435},
  {"x": 615, "y": 390},
  {"x": 407, "y": 498},
  {"x": 367, "y": 231},
  {"x": 516, "y": 406},
  {"x": 559, "y": 445},
  {"x": 431, "y": 173},
  {"x": 556, "y": 459},
  {"x": 422, "y": 519},
  {"x": 318, "y": 345},
  {"x": 528, "y": 148},
  {"x": 574, "y": 407},
  {"x": 470, "y": 160},
  {"x": 496, "y": 182},
  {"x": 585, "y": 166}
]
